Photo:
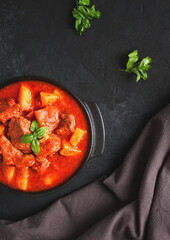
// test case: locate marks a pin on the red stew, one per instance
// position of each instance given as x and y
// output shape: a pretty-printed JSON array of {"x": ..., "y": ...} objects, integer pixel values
[{"x": 63, "y": 147}]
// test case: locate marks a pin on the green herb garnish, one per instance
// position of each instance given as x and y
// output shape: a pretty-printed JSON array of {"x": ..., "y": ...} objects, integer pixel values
[
  {"x": 34, "y": 126},
  {"x": 138, "y": 67},
  {"x": 35, "y": 146},
  {"x": 33, "y": 138},
  {"x": 83, "y": 14}
]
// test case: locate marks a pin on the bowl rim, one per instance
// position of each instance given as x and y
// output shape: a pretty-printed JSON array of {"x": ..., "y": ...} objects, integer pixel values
[{"x": 90, "y": 144}]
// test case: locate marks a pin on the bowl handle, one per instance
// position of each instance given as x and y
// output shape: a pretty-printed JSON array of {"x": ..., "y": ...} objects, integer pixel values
[{"x": 98, "y": 129}]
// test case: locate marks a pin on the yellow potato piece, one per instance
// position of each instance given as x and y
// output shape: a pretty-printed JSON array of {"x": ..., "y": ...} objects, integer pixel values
[
  {"x": 57, "y": 93},
  {"x": 77, "y": 136},
  {"x": 25, "y": 98},
  {"x": 68, "y": 150},
  {"x": 9, "y": 172},
  {"x": 48, "y": 180},
  {"x": 47, "y": 98},
  {"x": 22, "y": 178}
]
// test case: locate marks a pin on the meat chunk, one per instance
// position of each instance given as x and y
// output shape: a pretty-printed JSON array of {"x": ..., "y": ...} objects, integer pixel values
[
  {"x": 50, "y": 146},
  {"x": 9, "y": 109},
  {"x": 48, "y": 117},
  {"x": 27, "y": 160},
  {"x": 37, "y": 103},
  {"x": 10, "y": 154},
  {"x": 17, "y": 128},
  {"x": 67, "y": 124},
  {"x": 41, "y": 165}
]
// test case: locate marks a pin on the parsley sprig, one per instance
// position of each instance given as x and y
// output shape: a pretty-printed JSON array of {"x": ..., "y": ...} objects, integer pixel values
[
  {"x": 33, "y": 138},
  {"x": 83, "y": 14},
  {"x": 138, "y": 67}
]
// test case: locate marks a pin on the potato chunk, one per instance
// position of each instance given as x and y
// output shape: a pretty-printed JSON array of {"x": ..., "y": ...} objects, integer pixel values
[
  {"x": 48, "y": 117},
  {"x": 77, "y": 136},
  {"x": 68, "y": 150},
  {"x": 22, "y": 178},
  {"x": 48, "y": 180},
  {"x": 8, "y": 172},
  {"x": 47, "y": 98},
  {"x": 25, "y": 98},
  {"x": 58, "y": 94}
]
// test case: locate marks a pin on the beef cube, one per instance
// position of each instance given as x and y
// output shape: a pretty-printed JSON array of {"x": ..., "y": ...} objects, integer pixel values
[
  {"x": 50, "y": 146},
  {"x": 10, "y": 154},
  {"x": 17, "y": 128},
  {"x": 40, "y": 165},
  {"x": 27, "y": 160},
  {"x": 67, "y": 124},
  {"x": 48, "y": 117},
  {"x": 9, "y": 109},
  {"x": 37, "y": 103}
]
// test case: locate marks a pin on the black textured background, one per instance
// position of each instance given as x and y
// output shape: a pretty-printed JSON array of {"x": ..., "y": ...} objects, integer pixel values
[{"x": 38, "y": 38}]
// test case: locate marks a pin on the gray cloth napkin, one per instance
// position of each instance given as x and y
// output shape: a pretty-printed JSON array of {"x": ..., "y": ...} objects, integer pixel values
[{"x": 132, "y": 203}]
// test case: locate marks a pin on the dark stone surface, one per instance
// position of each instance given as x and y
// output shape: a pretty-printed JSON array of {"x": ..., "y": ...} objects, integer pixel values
[{"x": 38, "y": 38}]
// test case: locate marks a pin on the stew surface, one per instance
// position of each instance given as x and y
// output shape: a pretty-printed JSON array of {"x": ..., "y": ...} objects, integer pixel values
[{"x": 63, "y": 146}]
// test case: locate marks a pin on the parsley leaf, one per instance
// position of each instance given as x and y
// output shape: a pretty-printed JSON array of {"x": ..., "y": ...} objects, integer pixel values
[
  {"x": 83, "y": 2},
  {"x": 26, "y": 138},
  {"x": 138, "y": 67},
  {"x": 133, "y": 58},
  {"x": 35, "y": 146},
  {"x": 83, "y": 14},
  {"x": 34, "y": 126},
  {"x": 40, "y": 132},
  {"x": 32, "y": 138}
]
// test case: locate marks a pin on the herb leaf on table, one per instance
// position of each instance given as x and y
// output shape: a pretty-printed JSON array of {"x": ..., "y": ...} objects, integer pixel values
[
  {"x": 83, "y": 14},
  {"x": 138, "y": 67}
]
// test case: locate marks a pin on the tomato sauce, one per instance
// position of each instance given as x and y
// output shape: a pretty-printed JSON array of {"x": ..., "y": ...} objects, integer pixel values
[{"x": 61, "y": 167}]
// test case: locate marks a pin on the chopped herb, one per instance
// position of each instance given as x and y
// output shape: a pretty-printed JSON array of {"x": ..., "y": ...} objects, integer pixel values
[
  {"x": 138, "y": 67},
  {"x": 83, "y": 14}
]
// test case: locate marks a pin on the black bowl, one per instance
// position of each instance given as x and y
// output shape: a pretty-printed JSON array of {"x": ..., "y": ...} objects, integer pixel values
[{"x": 96, "y": 128}]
